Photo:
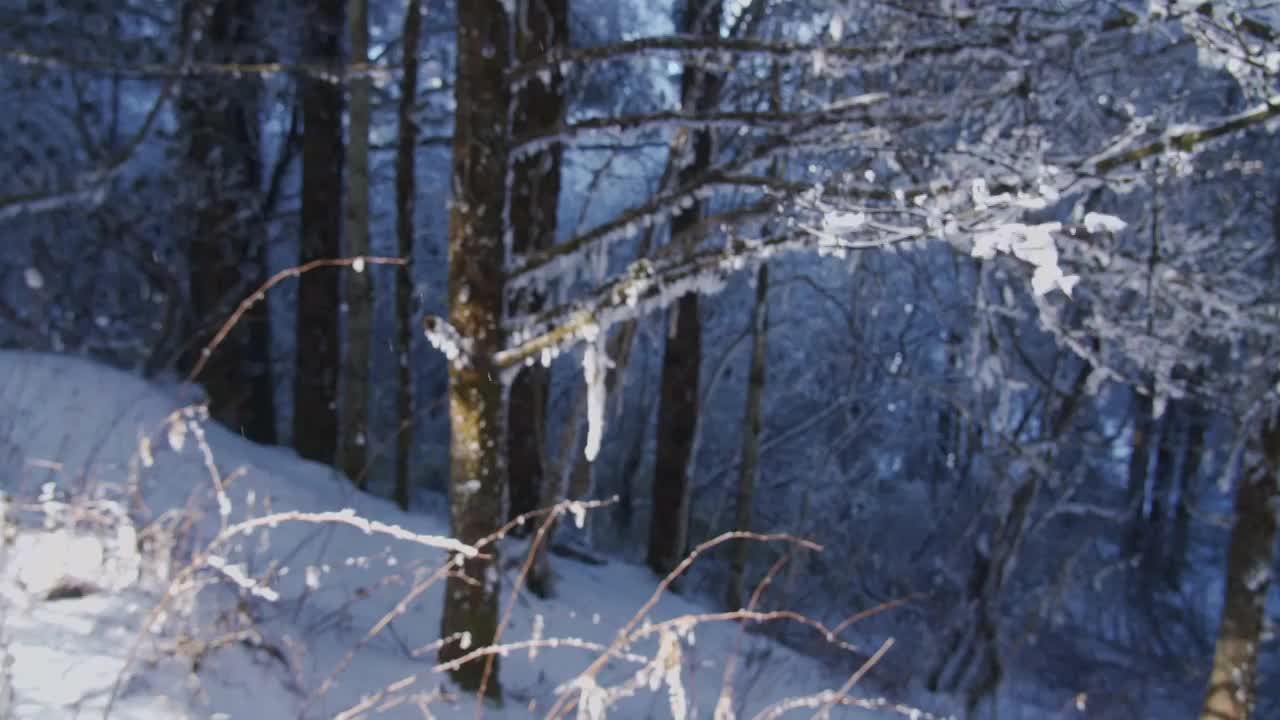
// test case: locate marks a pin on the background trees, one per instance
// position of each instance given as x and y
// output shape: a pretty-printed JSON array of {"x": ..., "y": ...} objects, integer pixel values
[
  {"x": 315, "y": 386},
  {"x": 1019, "y": 316}
]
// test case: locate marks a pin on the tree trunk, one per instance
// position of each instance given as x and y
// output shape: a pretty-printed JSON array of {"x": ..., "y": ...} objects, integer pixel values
[
  {"x": 1156, "y": 531},
  {"x": 1139, "y": 470},
  {"x": 677, "y": 423},
  {"x": 477, "y": 483},
  {"x": 535, "y": 195},
  {"x": 359, "y": 304},
  {"x": 1250, "y": 561},
  {"x": 406, "y": 184},
  {"x": 1188, "y": 489},
  {"x": 750, "y": 439},
  {"x": 682, "y": 358},
  {"x": 220, "y": 117},
  {"x": 315, "y": 410}
]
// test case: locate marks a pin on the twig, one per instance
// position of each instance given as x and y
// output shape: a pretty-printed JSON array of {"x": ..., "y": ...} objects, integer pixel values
[
  {"x": 350, "y": 518},
  {"x": 261, "y": 293},
  {"x": 547, "y": 522},
  {"x": 628, "y": 633},
  {"x": 861, "y": 672}
]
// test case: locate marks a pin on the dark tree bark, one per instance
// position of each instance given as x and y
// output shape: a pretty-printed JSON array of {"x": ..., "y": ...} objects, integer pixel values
[
  {"x": 478, "y": 472},
  {"x": 1251, "y": 558},
  {"x": 223, "y": 151},
  {"x": 682, "y": 359},
  {"x": 406, "y": 184},
  {"x": 315, "y": 408},
  {"x": 535, "y": 194},
  {"x": 359, "y": 300},
  {"x": 752, "y": 424}
]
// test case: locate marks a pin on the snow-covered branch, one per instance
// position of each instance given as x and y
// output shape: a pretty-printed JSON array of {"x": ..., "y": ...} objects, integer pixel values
[
  {"x": 378, "y": 71},
  {"x": 1183, "y": 137},
  {"x": 851, "y": 110},
  {"x": 92, "y": 195},
  {"x": 648, "y": 287},
  {"x": 704, "y": 51}
]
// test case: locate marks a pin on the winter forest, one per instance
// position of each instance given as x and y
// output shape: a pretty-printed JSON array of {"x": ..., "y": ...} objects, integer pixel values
[{"x": 639, "y": 359}]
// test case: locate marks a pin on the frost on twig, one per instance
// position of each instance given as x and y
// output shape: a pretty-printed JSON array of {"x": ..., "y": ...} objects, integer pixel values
[
  {"x": 1033, "y": 244},
  {"x": 446, "y": 338},
  {"x": 349, "y": 517}
]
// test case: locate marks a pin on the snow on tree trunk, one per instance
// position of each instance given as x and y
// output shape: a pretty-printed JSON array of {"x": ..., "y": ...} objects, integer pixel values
[
  {"x": 315, "y": 409},
  {"x": 406, "y": 183},
  {"x": 1251, "y": 557},
  {"x": 535, "y": 195},
  {"x": 359, "y": 300},
  {"x": 682, "y": 358},
  {"x": 752, "y": 423},
  {"x": 219, "y": 118},
  {"x": 477, "y": 483}
]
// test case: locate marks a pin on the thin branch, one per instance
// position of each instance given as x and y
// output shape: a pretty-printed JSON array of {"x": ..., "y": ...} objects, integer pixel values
[
  {"x": 734, "y": 120},
  {"x": 261, "y": 293},
  {"x": 698, "y": 47},
  {"x": 1184, "y": 139},
  {"x": 171, "y": 71}
]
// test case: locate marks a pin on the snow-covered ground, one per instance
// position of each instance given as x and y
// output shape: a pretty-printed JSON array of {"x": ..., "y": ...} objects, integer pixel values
[{"x": 288, "y": 619}]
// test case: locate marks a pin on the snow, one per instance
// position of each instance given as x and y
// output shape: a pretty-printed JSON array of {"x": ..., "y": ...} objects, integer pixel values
[
  {"x": 33, "y": 278},
  {"x": 1033, "y": 244},
  {"x": 288, "y": 582},
  {"x": 1097, "y": 222}
]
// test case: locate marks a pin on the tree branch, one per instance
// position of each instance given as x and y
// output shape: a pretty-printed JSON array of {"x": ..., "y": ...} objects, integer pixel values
[{"x": 1185, "y": 139}]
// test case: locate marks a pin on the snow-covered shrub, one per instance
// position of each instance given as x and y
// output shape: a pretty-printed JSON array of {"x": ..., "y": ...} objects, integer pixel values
[{"x": 62, "y": 547}]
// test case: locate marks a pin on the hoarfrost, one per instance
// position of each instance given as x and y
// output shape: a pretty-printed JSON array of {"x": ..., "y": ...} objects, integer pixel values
[{"x": 1097, "y": 222}]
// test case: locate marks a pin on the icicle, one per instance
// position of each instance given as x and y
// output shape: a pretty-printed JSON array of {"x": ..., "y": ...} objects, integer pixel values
[{"x": 595, "y": 366}]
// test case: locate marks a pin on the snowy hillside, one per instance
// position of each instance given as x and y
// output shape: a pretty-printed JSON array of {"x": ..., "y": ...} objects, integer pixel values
[{"x": 314, "y": 615}]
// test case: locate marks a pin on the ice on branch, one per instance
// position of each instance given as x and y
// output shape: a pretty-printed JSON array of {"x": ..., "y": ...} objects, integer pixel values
[
  {"x": 1033, "y": 244},
  {"x": 446, "y": 338},
  {"x": 237, "y": 575},
  {"x": 1099, "y": 222},
  {"x": 843, "y": 222}
]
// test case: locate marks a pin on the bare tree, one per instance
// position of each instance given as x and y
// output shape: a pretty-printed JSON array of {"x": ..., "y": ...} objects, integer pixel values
[
  {"x": 1251, "y": 556},
  {"x": 478, "y": 471},
  {"x": 315, "y": 410},
  {"x": 406, "y": 184},
  {"x": 223, "y": 151},
  {"x": 753, "y": 421},
  {"x": 539, "y": 107},
  {"x": 682, "y": 358},
  {"x": 354, "y": 435}
]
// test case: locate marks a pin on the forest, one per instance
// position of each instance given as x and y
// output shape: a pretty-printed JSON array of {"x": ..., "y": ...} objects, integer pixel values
[{"x": 945, "y": 327}]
